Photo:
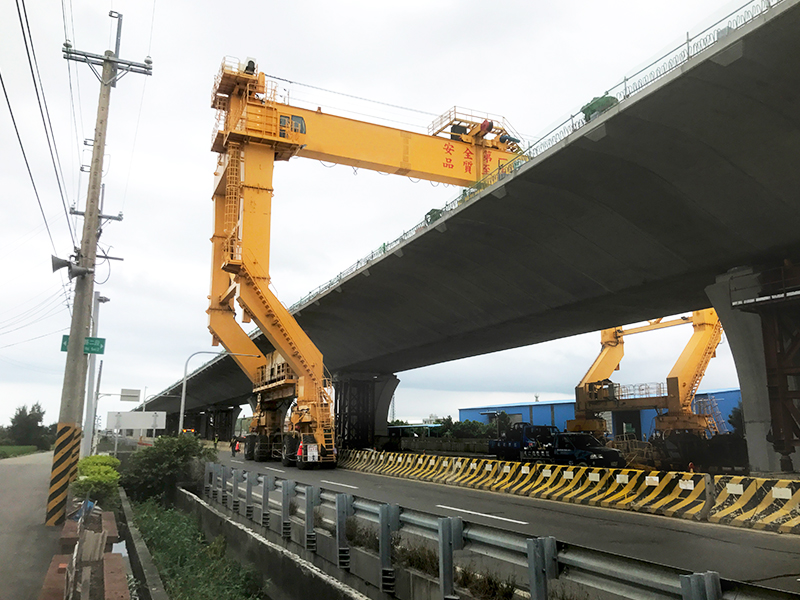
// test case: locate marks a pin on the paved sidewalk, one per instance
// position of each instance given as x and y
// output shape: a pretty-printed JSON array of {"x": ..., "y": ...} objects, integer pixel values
[{"x": 26, "y": 545}]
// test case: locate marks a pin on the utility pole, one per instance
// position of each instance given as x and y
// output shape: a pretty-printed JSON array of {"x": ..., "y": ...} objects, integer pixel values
[{"x": 68, "y": 433}]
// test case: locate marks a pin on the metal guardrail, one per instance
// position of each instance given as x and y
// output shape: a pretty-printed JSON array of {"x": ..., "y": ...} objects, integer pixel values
[
  {"x": 628, "y": 87},
  {"x": 543, "y": 559}
]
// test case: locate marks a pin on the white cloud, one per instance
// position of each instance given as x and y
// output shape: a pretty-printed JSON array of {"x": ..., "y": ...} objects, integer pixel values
[{"x": 532, "y": 62}]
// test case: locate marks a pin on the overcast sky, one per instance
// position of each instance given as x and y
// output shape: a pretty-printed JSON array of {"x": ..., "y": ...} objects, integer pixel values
[{"x": 533, "y": 62}]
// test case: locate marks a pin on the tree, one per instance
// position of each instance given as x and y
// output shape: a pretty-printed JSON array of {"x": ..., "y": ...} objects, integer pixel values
[
  {"x": 26, "y": 427},
  {"x": 155, "y": 471},
  {"x": 736, "y": 419}
]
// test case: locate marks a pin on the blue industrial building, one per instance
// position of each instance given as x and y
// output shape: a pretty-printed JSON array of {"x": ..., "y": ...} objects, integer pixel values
[
  {"x": 558, "y": 412},
  {"x": 546, "y": 412}
]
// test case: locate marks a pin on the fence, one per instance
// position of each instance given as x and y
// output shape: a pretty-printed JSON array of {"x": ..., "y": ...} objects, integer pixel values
[{"x": 538, "y": 562}]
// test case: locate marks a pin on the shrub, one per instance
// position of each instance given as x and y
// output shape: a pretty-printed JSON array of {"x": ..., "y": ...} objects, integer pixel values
[
  {"x": 191, "y": 568},
  {"x": 156, "y": 471},
  {"x": 98, "y": 482},
  {"x": 98, "y": 459}
]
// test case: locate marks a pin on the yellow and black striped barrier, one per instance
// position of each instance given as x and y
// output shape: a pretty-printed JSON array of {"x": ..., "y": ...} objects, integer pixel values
[
  {"x": 65, "y": 464},
  {"x": 768, "y": 504},
  {"x": 674, "y": 494}
]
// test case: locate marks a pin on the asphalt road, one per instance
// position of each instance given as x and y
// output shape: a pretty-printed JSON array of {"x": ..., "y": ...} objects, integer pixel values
[
  {"x": 26, "y": 545},
  {"x": 763, "y": 558}
]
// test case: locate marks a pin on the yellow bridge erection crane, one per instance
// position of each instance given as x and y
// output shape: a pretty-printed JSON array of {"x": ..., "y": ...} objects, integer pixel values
[
  {"x": 596, "y": 393},
  {"x": 254, "y": 130}
]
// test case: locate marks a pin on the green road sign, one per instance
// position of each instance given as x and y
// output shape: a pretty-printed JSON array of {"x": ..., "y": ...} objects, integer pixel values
[{"x": 91, "y": 345}]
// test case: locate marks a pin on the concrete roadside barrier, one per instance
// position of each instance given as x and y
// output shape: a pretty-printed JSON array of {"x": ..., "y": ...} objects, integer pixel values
[
  {"x": 525, "y": 480},
  {"x": 549, "y": 477},
  {"x": 505, "y": 476},
  {"x": 571, "y": 481},
  {"x": 621, "y": 489},
  {"x": 363, "y": 461},
  {"x": 435, "y": 467},
  {"x": 487, "y": 475},
  {"x": 469, "y": 468},
  {"x": 597, "y": 483},
  {"x": 410, "y": 464},
  {"x": 342, "y": 458},
  {"x": 394, "y": 462},
  {"x": 766, "y": 504},
  {"x": 446, "y": 469},
  {"x": 353, "y": 457},
  {"x": 371, "y": 460},
  {"x": 429, "y": 462},
  {"x": 388, "y": 462},
  {"x": 375, "y": 463},
  {"x": 460, "y": 466},
  {"x": 418, "y": 466},
  {"x": 674, "y": 494}
]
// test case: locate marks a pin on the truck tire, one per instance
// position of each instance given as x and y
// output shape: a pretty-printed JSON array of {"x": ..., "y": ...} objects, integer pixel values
[
  {"x": 249, "y": 447},
  {"x": 289, "y": 451},
  {"x": 261, "y": 450}
]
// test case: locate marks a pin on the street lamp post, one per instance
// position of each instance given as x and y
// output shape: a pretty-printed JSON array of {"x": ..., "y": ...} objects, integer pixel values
[
  {"x": 185, "y": 371},
  {"x": 91, "y": 399},
  {"x": 150, "y": 397}
]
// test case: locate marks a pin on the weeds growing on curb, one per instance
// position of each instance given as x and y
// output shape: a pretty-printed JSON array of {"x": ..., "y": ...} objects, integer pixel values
[
  {"x": 421, "y": 558},
  {"x": 191, "y": 568},
  {"x": 363, "y": 537}
]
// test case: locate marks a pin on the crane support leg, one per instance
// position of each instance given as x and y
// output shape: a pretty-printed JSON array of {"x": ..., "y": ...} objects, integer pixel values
[{"x": 221, "y": 315}]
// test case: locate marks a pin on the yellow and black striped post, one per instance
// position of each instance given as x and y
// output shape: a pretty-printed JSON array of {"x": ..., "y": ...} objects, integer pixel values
[{"x": 65, "y": 461}]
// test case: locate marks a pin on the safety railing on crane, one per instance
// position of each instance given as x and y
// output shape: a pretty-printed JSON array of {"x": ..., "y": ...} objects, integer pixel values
[{"x": 628, "y": 87}]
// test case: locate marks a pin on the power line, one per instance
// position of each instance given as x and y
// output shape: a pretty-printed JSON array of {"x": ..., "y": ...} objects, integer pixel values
[
  {"x": 50, "y": 313},
  {"x": 27, "y": 165},
  {"x": 313, "y": 87},
  {"x": 139, "y": 115},
  {"x": 43, "y": 110},
  {"x": 38, "y": 337}
]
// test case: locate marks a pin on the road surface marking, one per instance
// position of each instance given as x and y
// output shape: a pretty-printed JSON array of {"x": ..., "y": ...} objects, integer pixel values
[
  {"x": 352, "y": 487},
  {"x": 470, "y": 512},
  {"x": 241, "y": 462},
  {"x": 273, "y": 469}
]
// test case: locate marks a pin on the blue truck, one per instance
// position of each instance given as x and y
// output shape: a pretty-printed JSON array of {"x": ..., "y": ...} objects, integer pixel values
[{"x": 546, "y": 444}]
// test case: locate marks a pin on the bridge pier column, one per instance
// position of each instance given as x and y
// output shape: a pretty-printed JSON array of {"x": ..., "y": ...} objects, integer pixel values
[
  {"x": 362, "y": 407},
  {"x": 747, "y": 331}
]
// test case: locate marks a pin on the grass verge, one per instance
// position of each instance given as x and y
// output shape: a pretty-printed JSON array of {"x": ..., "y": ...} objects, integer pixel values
[
  {"x": 191, "y": 568},
  {"x": 11, "y": 451}
]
